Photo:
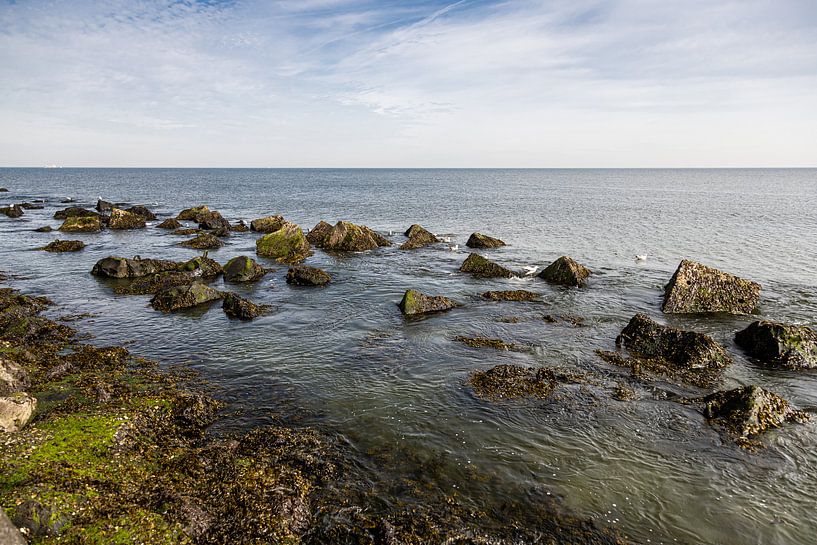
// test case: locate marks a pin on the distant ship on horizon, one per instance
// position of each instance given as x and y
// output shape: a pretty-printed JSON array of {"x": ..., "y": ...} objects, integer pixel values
[{"x": 52, "y": 166}]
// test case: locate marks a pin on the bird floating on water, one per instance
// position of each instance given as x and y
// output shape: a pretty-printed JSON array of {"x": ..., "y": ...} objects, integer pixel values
[
  {"x": 454, "y": 247},
  {"x": 641, "y": 257},
  {"x": 530, "y": 270},
  {"x": 447, "y": 239}
]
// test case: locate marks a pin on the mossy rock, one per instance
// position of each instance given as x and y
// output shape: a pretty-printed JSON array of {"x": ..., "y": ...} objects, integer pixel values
[
  {"x": 696, "y": 288},
  {"x": 243, "y": 269},
  {"x": 486, "y": 342},
  {"x": 512, "y": 295},
  {"x": 790, "y": 346},
  {"x": 81, "y": 224},
  {"x": 189, "y": 214},
  {"x": 482, "y": 267},
  {"x": 169, "y": 223},
  {"x": 73, "y": 211},
  {"x": 478, "y": 240},
  {"x": 415, "y": 303},
  {"x": 304, "y": 275},
  {"x": 212, "y": 220},
  {"x": 565, "y": 272},
  {"x": 180, "y": 297},
  {"x": 121, "y": 267},
  {"x": 269, "y": 224},
  {"x": 516, "y": 381},
  {"x": 318, "y": 234},
  {"x": 201, "y": 266},
  {"x": 204, "y": 241},
  {"x": 348, "y": 237},
  {"x": 286, "y": 245},
  {"x": 418, "y": 237},
  {"x": 64, "y": 246},
  {"x": 13, "y": 211},
  {"x": 142, "y": 211},
  {"x": 242, "y": 309},
  {"x": 122, "y": 219}
]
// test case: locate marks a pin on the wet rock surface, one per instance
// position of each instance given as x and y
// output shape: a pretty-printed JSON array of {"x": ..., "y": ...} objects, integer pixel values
[
  {"x": 142, "y": 211},
  {"x": 169, "y": 223},
  {"x": 64, "y": 246},
  {"x": 73, "y": 211},
  {"x": 318, "y": 234},
  {"x": 482, "y": 267},
  {"x": 204, "y": 241},
  {"x": 485, "y": 342},
  {"x": 243, "y": 269},
  {"x": 81, "y": 224},
  {"x": 269, "y": 224},
  {"x": 235, "y": 306},
  {"x": 478, "y": 240},
  {"x": 286, "y": 245},
  {"x": 418, "y": 237},
  {"x": 44, "y": 229},
  {"x": 13, "y": 211},
  {"x": 212, "y": 220},
  {"x": 696, "y": 288},
  {"x": 347, "y": 237},
  {"x": 516, "y": 381},
  {"x": 304, "y": 275},
  {"x": 512, "y": 295},
  {"x": 185, "y": 296},
  {"x": 565, "y": 272},
  {"x": 790, "y": 346},
  {"x": 121, "y": 267},
  {"x": 415, "y": 303},
  {"x": 189, "y": 214}
]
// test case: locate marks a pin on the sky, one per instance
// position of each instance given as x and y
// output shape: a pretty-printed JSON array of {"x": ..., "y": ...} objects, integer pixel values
[{"x": 368, "y": 83}]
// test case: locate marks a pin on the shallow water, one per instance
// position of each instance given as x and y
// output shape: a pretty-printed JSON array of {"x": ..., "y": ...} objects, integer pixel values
[{"x": 344, "y": 359}]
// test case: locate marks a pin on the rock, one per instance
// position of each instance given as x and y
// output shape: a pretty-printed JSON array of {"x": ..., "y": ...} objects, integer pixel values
[
  {"x": 243, "y": 269},
  {"x": 103, "y": 206},
  {"x": 154, "y": 283},
  {"x": 81, "y": 224},
  {"x": 348, "y": 237},
  {"x": 415, "y": 303},
  {"x": 221, "y": 232},
  {"x": 512, "y": 295},
  {"x": 750, "y": 410},
  {"x": 13, "y": 378},
  {"x": 565, "y": 272},
  {"x": 622, "y": 392},
  {"x": 515, "y": 381},
  {"x": 478, "y": 240},
  {"x": 187, "y": 232},
  {"x": 485, "y": 268},
  {"x": 66, "y": 200},
  {"x": 238, "y": 307},
  {"x": 120, "y": 267},
  {"x": 179, "y": 297},
  {"x": 13, "y": 211},
  {"x": 3, "y": 190},
  {"x": 791, "y": 346},
  {"x": 319, "y": 234},
  {"x": 16, "y": 410},
  {"x": 304, "y": 275},
  {"x": 696, "y": 288},
  {"x": 417, "y": 238},
  {"x": 31, "y": 206},
  {"x": 9, "y": 534},
  {"x": 44, "y": 229},
  {"x": 201, "y": 266},
  {"x": 212, "y": 220},
  {"x": 40, "y": 520},
  {"x": 286, "y": 245},
  {"x": 142, "y": 211},
  {"x": 190, "y": 214},
  {"x": 73, "y": 211},
  {"x": 64, "y": 246},
  {"x": 269, "y": 224},
  {"x": 485, "y": 342},
  {"x": 239, "y": 227},
  {"x": 696, "y": 357},
  {"x": 169, "y": 223},
  {"x": 205, "y": 241},
  {"x": 121, "y": 219}
]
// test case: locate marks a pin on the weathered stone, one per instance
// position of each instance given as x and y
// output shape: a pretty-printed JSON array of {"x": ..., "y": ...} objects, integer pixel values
[
  {"x": 348, "y": 237},
  {"x": 64, "y": 246},
  {"x": 565, "y": 272},
  {"x": 169, "y": 223},
  {"x": 318, "y": 234},
  {"x": 481, "y": 267},
  {"x": 515, "y": 381},
  {"x": 81, "y": 224},
  {"x": 418, "y": 237},
  {"x": 9, "y": 534},
  {"x": 179, "y": 297},
  {"x": 512, "y": 295},
  {"x": 121, "y": 219},
  {"x": 39, "y": 519},
  {"x": 286, "y": 245},
  {"x": 31, "y": 206},
  {"x": 485, "y": 342},
  {"x": 238, "y": 307},
  {"x": 201, "y": 266},
  {"x": 696, "y": 288},
  {"x": 269, "y": 224},
  {"x": 212, "y": 220},
  {"x": 13, "y": 378},
  {"x": 750, "y": 410},
  {"x": 204, "y": 241},
  {"x": 103, "y": 206},
  {"x": 154, "y": 283},
  {"x": 304, "y": 275},
  {"x": 478, "y": 240},
  {"x": 415, "y": 303},
  {"x": 187, "y": 232},
  {"x": 789, "y": 346},
  {"x": 221, "y": 232},
  {"x": 189, "y": 214},
  {"x": 142, "y": 211},
  {"x": 16, "y": 410},
  {"x": 243, "y": 269},
  {"x": 73, "y": 211},
  {"x": 120, "y": 267},
  {"x": 44, "y": 229},
  {"x": 239, "y": 227},
  {"x": 13, "y": 211}
]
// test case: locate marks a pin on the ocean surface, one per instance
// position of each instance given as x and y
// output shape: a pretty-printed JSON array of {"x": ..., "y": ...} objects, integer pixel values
[{"x": 342, "y": 358}]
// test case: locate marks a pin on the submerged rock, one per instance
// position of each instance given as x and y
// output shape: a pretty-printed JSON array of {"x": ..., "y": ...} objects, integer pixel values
[
  {"x": 565, "y": 272},
  {"x": 512, "y": 295},
  {"x": 478, "y": 240},
  {"x": 73, "y": 211},
  {"x": 120, "y": 267},
  {"x": 64, "y": 246},
  {"x": 515, "y": 381},
  {"x": 749, "y": 411},
  {"x": 104, "y": 206},
  {"x": 16, "y": 410},
  {"x": 318, "y": 234},
  {"x": 415, "y": 303},
  {"x": 31, "y": 206},
  {"x": 286, "y": 245},
  {"x": 187, "y": 232},
  {"x": 304, "y": 275},
  {"x": 189, "y": 214},
  {"x": 238, "y": 307},
  {"x": 204, "y": 241},
  {"x": 44, "y": 229},
  {"x": 485, "y": 342},
  {"x": 243, "y": 269},
  {"x": 269, "y": 224},
  {"x": 418, "y": 237},
  {"x": 122, "y": 219},
  {"x": 485, "y": 268},
  {"x": 142, "y": 211},
  {"x": 348, "y": 237},
  {"x": 179, "y": 297},
  {"x": 154, "y": 283},
  {"x": 81, "y": 224},
  {"x": 789, "y": 346},
  {"x": 696, "y": 288},
  {"x": 4, "y": 190},
  {"x": 13, "y": 211},
  {"x": 169, "y": 223},
  {"x": 212, "y": 220}
]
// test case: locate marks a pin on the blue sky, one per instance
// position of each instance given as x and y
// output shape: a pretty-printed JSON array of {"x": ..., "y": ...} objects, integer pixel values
[{"x": 522, "y": 83}]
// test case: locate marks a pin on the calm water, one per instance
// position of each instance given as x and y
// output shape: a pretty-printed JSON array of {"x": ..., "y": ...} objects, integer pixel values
[{"x": 347, "y": 361}]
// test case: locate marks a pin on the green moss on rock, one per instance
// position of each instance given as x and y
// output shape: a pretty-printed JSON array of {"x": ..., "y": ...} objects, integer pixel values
[{"x": 286, "y": 245}]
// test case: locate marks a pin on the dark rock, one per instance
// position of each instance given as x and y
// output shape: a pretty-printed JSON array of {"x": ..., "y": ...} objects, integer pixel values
[
  {"x": 142, "y": 211},
  {"x": 103, "y": 206},
  {"x": 696, "y": 288},
  {"x": 121, "y": 219},
  {"x": 13, "y": 211},
  {"x": 187, "y": 232},
  {"x": 66, "y": 200},
  {"x": 269, "y": 224},
  {"x": 64, "y": 246},
  {"x": 565, "y": 272},
  {"x": 418, "y": 237},
  {"x": 512, "y": 295},
  {"x": 415, "y": 303},
  {"x": 239, "y": 227},
  {"x": 238, "y": 307},
  {"x": 190, "y": 214},
  {"x": 221, "y": 232},
  {"x": 44, "y": 229},
  {"x": 212, "y": 220},
  {"x": 318, "y": 234},
  {"x": 40, "y": 520},
  {"x": 286, "y": 245},
  {"x": 304, "y": 275},
  {"x": 31, "y": 206},
  {"x": 154, "y": 283},
  {"x": 485, "y": 342},
  {"x": 3, "y": 190},
  {"x": 485, "y": 268},
  {"x": 348, "y": 237},
  {"x": 243, "y": 269},
  {"x": 9, "y": 534},
  {"x": 73, "y": 211},
  {"x": 515, "y": 381},
  {"x": 205, "y": 241},
  {"x": 478, "y": 240},
  {"x": 13, "y": 378},
  {"x": 169, "y": 223},
  {"x": 179, "y": 297},
  {"x": 749, "y": 411},
  {"x": 81, "y": 224},
  {"x": 789, "y": 346},
  {"x": 201, "y": 266},
  {"x": 120, "y": 267}
]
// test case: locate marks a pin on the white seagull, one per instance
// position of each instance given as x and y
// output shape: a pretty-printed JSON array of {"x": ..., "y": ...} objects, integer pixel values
[
  {"x": 641, "y": 257},
  {"x": 530, "y": 270}
]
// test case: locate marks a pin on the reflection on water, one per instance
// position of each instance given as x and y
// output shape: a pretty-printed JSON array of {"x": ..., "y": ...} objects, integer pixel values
[{"x": 344, "y": 357}]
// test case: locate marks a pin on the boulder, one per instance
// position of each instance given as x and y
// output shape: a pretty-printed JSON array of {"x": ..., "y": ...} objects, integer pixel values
[
  {"x": 13, "y": 378},
  {"x": 187, "y": 232},
  {"x": 348, "y": 237},
  {"x": 9, "y": 534},
  {"x": 319, "y": 234},
  {"x": 201, "y": 266},
  {"x": 73, "y": 211},
  {"x": 189, "y": 214},
  {"x": 179, "y": 297},
  {"x": 696, "y": 288},
  {"x": 238, "y": 307},
  {"x": 485, "y": 268},
  {"x": 221, "y": 232},
  {"x": 142, "y": 211},
  {"x": 44, "y": 229},
  {"x": 16, "y": 410},
  {"x": 204, "y": 241},
  {"x": 750, "y": 410},
  {"x": 13, "y": 211},
  {"x": 478, "y": 240},
  {"x": 64, "y": 246},
  {"x": 286, "y": 245},
  {"x": 120, "y": 267},
  {"x": 415, "y": 303},
  {"x": 269, "y": 224},
  {"x": 81, "y": 224},
  {"x": 3, "y": 190},
  {"x": 791, "y": 346},
  {"x": 304, "y": 275},
  {"x": 154, "y": 283},
  {"x": 243, "y": 269},
  {"x": 212, "y": 220},
  {"x": 239, "y": 227},
  {"x": 565, "y": 272},
  {"x": 418, "y": 237},
  {"x": 122, "y": 219},
  {"x": 516, "y": 381},
  {"x": 512, "y": 295},
  {"x": 169, "y": 223},
  {"x": 103, "y": 206}
]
